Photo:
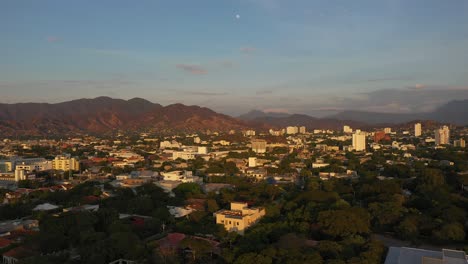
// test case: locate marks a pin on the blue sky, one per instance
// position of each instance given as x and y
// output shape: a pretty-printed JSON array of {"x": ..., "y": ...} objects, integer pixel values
[{"x": 307, "y": 56}]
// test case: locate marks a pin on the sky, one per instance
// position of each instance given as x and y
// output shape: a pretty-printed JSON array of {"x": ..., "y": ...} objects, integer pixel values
[{"x": 297, "y": 56}]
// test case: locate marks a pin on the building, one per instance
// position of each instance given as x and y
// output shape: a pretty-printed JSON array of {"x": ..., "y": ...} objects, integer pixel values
[
  {"x": 185, "y": 155},
  {"x": 202, "y": 150},
  {"x": 359, "y": 141},
  {"x": 381, "y": 135},
  {"x": 249, "y": 133},
  {"x": 387, "y": 130},
  {"x": 259, "y": 145},
  {"x": 240, "y": 217},
  {"x": 252, "y": 162},
  {"x": 417, "y": 130},
  {"x": 442, "y": 136},
  {"x": 276, "y": 132},
  {"x": 65, "y": 163},
  {"x": 180, "y": 176},
  {"x": 459, "y": 143},
  {"x": 291, "y": 130},
  {"x": 404, "y": 255},
  {"x": 347, "y": 129},
  {"x": 302, "y": 130}
]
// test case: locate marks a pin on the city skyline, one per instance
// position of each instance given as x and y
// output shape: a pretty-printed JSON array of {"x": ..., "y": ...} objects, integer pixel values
[{"x": 284, "y": 56}]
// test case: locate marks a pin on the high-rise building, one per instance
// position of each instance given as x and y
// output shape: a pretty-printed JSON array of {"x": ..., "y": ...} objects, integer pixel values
[
  {"x": 302, "y": 130},
  {"x": 291, "y": 130},
  {"x": 387, "y": 130},
  {"x": 442, "y": 136},
  {"x": 259, "y": 145},
  {"x": 417, "y": 130},
  {"x": 459, "y": 143},
  {"x": 347, "y": 129},
  {"x": 359, "y": 141}
]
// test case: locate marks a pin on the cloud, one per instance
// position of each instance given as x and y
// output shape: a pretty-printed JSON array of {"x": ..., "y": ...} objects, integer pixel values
[
  {"x": 264, "y": 92},
  {"x": 387, "y": 79},
  {"x": 417, "y": 86},
  {"x": 248, "y": 50},
  {"x": 52, "y": 39},
  {"x": 193, "y": 69},
  {"x": 203, "y": 93}
]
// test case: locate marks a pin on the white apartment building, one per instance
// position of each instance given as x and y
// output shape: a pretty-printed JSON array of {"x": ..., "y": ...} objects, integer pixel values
[
  {"x": 302, "y": 130},
  {"x": 359, "y": 141},
  {"x": 442, "y": 136},
  {"x": 417, "y": 130},
  {"x": 291, "y": 130},
  {"x": 65, "y": 163}
]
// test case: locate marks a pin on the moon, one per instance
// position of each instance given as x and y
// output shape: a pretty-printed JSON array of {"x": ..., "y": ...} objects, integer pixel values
[{"x": 237, "y": 16}]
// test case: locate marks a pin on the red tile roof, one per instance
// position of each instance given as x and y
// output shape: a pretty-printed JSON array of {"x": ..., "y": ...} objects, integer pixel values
[
  {"x": 18, "y": 253},
  {"x": 4, "y": 242}
]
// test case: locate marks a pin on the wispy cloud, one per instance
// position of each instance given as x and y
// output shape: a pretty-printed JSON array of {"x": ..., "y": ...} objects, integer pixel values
[
  {"x": 264, "y": 92},
  {"x": 52, "y": 39},
  {"x": 193, "y": 69},
  {"x": 417, "y": 86},
  {"x": 205, "y": 93},
  {"x": 248, "y": 50},
  {"x": 388, "y": 79}
]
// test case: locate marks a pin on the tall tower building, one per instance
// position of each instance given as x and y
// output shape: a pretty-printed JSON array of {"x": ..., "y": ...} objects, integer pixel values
[
  {"x": 442, "y": 136},
  {"x": 417, "y": 130},
  {"x": 359, "y": 141},
  {"x": 259, "y": 146}
]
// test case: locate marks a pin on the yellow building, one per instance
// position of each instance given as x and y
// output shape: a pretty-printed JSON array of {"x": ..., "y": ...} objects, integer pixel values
[
  {"x": 240, "y": 217},
  {"x": 65, "y": 163}
]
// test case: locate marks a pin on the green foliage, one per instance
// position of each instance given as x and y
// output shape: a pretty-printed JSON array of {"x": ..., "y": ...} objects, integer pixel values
[
  {"x": 345, "y": 222},
  {"x": 187, "y": 190}
]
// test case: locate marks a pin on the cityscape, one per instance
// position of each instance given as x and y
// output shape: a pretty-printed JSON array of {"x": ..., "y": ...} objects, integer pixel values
[{"x": 243, "y": 132}]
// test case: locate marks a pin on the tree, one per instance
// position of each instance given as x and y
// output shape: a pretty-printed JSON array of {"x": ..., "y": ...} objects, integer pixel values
[
  {"x": 408, "y": 229},
  {"x": 450, "y": 232},
  {"x": 385, "y": 213},
  {"x": 187, "y": 190},
  {"x": 345, "y": 222},
  {"x": 212, "y": 205}
]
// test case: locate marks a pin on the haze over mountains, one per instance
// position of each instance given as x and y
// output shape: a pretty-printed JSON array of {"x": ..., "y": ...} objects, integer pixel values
[{"x": 104, "y": 114}]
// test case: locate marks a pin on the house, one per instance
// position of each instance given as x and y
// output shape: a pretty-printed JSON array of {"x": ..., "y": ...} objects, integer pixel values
[
  {"x": 239, "y": 218},
  {"x": 4, "y": 242},
  {"x": 14, "y": 255}
]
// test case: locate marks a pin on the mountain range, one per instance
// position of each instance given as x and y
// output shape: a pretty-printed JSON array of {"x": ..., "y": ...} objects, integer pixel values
[
  {"x": 455, "y": 112},
  {"x": 104, "y": 115}
]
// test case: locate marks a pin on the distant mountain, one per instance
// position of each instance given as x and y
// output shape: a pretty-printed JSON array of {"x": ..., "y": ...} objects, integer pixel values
[
  {"x": 281, "y": 120},
  {"x": 455, "y": 112},
  {"x": 254, "y": 114},
  {"x": 104, "y": 114}
]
